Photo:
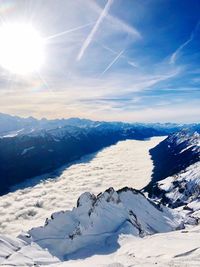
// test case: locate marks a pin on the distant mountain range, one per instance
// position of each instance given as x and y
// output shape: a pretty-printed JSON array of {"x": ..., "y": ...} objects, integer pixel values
[
  {"x": 31, "y": 147},
  {"x": 11, "y": 126},
  {"x": 14, "y": 125}
]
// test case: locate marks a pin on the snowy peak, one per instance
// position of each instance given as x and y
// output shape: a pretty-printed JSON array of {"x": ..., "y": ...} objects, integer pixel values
[
  {"x": 92, "y": 228},
  {"x": 98, "y": 219}
]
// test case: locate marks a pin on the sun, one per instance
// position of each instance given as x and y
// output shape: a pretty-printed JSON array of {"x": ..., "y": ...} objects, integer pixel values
[{"x": 21, "y": 48}]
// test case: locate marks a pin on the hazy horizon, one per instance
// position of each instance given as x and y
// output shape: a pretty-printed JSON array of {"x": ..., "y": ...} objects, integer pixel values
[{"x": 83, "y": 118}]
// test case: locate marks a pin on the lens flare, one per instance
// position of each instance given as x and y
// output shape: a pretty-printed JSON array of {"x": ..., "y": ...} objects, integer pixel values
[{"x": 21, "y": 48}]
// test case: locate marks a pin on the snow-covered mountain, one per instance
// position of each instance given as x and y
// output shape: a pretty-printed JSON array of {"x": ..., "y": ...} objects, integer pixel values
[
  {"x": 11, "y": 126},
  {"x": 180, "y": 164},
  {"x": 93, "y": 227},
  {"x": 122, "y": 228},
  {"x": 173, "y": 155},
  {"x": 182, "y": 189},
  {"x": 100, "y": 220},
  {"x": 31, "y": 147}
]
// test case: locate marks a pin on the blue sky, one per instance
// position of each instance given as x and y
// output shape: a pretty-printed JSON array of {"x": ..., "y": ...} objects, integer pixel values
[{"x": 129, "y": 60}]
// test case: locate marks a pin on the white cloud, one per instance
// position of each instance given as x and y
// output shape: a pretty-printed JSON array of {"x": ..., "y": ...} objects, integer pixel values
[
  {"x": 66, "y": 99},
  {"x": 26, "y": 208}
]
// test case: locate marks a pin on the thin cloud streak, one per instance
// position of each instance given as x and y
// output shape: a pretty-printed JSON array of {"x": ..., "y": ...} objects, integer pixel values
[
  {"x": 70, "y": 30},
  {"x": 127, "y": 28},
  {"x": 129, "y": 60},
  {"x": 175, "y": 55},
  {"x": 118, "y": 23},
  {"x": 133, "y": 64},
  {"x": 94, "y": 29},
  {"x": 112, "y": 62}
]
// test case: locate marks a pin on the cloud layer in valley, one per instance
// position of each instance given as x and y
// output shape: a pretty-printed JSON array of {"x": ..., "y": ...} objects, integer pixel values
[{"x": 127, "y": 163}]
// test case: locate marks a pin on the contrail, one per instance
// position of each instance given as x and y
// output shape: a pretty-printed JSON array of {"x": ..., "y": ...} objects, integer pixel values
[
  {"x": 178, "y": 50},
  {"x": 70, "y": 30},
  {"x": 129, "y": 60},
  {"x": 94, "y": 29},
  {"x": 114, "y": 60},
  {"x": 118, "y": 23}
]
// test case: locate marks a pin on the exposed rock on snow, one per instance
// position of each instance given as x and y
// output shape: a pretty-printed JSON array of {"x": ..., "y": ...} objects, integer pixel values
[
  {"x": 98, "y": 219},
  {"x": 93, "y": 227},
  {"x": 182, "y": 188},
  {"x": 182, "y": 192}
]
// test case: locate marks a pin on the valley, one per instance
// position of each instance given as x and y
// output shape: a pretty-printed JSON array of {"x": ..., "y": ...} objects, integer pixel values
[
  {"x": 116, "y": 207},
  {"x": 127, "y": 163}
]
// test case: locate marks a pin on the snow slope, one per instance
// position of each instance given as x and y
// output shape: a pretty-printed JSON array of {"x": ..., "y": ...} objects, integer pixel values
[
  {"x": 15, "y": 252},
  {"x": 182, "y": 188},
  {"x": 93, "y": 227},
  {"x": 172, "y": 249}
]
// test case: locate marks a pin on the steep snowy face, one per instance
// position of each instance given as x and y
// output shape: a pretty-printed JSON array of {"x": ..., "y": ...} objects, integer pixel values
[
  {"x": 182, "y": 188},
  {"x": 98, "y": 220},
  {"x": 172, "y": 156}
]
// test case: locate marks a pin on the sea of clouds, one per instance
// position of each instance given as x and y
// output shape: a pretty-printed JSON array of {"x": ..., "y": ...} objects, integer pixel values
[{"x": 127, "y": 163}]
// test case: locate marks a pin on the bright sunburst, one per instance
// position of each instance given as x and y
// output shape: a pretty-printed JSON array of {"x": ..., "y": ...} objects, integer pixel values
[{"x": 21, "y": 48}]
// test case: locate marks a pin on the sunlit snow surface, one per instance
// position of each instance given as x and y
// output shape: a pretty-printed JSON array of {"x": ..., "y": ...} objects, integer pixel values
[
  {"x": 173, "y": 249},
  {"x": 127, "y": 163}
]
